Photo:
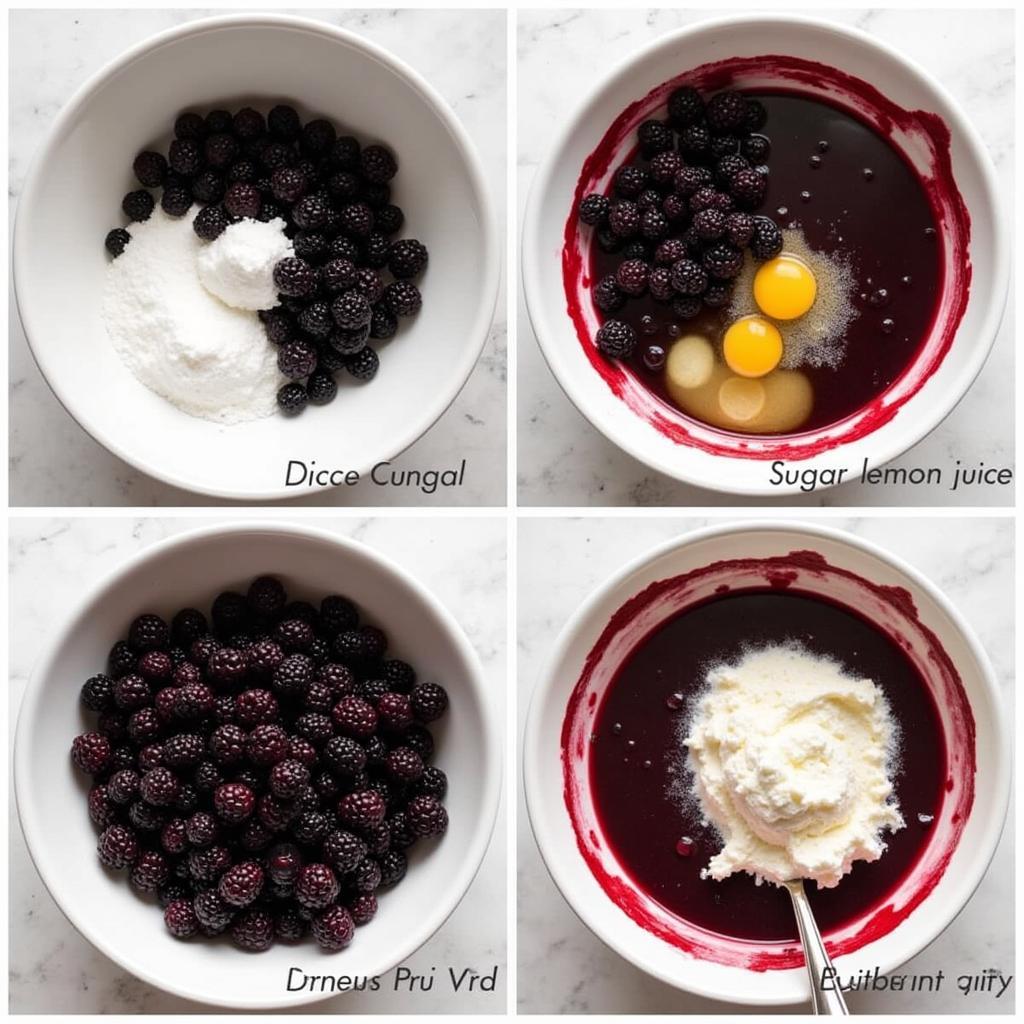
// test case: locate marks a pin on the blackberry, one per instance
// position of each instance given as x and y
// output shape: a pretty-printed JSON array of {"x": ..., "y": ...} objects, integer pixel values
[
  {"x": 727, "y": 113},
  {"x": 212, "y": 913},
  {"x": 636, "y": 251},
  {"x": 253, "y": 931},
  {"x": 343, "y": 851},
  {"x": 653, "y": 225},
  {"x": 310, "y": 827},
  {"x": 655, "y": 137},
  {"x": 401, "y": 836},
  {"x": 333, "y": 929},
  {"x": 150, "y": 757},
  {"x": 719, "y": 294},
  {"x": 310, "y": 212},
  {"x": 685, "y": 107},
  {"x": 294, "y": 635},
  {"x": 375, "y": 250},
  {"x": 362, "y": 908},
  {"x": 242, "y": 200},
  {"x": 144, "y": 726},
  {"x": 202, "y": 650},
  {"x": 593, "y": 209},
  {"x": 383, "y": 323},
  {"x": 756, "y": 116},
  {"x": 629, "y": 181},
  {"x": 118, "y": 847},
  {"x": 210, "y": 223},
  {"x": 316, "y": 886},
  {"x": 123, "y": 786},
  {"x": 113, "y": 725},
  {"x": 218, "y": 121},
  {"x": 184, "y": 750},
  {"x": 408, "y": 257},
  {"x": 302, "y": 750},
  {"x": 181, "y": 919},
  {"x": 659, "y": 284},
  {"x": 670, "y": 251},
  {"x": 371, "y": 690},
  {"x": 295, "y": 277},
  {"x": 185, "y": 157},
  {"x": 631, "y": 276},
  {"x": 337, "y": 614},
  {"x": 723, "y": 261},
  {"x": 393, "y": 866},
  {"x": 227, "y": 665},
  {"x": 296, "y": 359},
  {"x": 116, "y": 240},
  {"x": 283, "y": 122},
  {"x": 267, "y": 744},
  {"x": 293, "y": 675},
  {"x": 689, "y": 278},
  {"x": 241, "y": 884},
  {"x": 159, "y": 787},
  {"x": 138, "y": 205},
  {"x": 155, "y": 665},
  {"x": 756, "y": 148},
  {"x": 686, "y": 307},
  {"x": 624, "y": 218},
  {"x": 709, "y": 224},
  {"x": 426, "y": 816},
  {"x": 344, "y": 185},
  {"x": 207, "y": 776},
  {"x": 351, "y": 311},
  {"x": 288, "y": 778},
  {"x": 665, "y": 166},
  {"x": 356, "y": 219},
  {"x": 724, "y": 145},
  {"x": 193, "y": 701},
  {"x": 429, "y": 702},
  {"x": 228, "y": 744},
  {"x": 102, "y": 811},
  {"x": 149, "y": 872},
  {"x": 363, "y": 365},
  {"x": 388, "y": 219},
  {"x": 311, "y": 246},
  {"x": 188, "y": 799},
  {"x": 362, "y": 809},
  {"x": 292, "y": 398},
  {"x": 150, "y": 169},
  {"x": 189, "y": 126},
  {"x": 649, "y": 199},
  {"x": 283, "y": 863},
  {"x": 766, "y": 242},
  {"x": 173, "y": 837},
  {"x": 121, "y": 660},
  {"x": 248, "y": 123},
  {"x": 344, "y": 153},
  {"x": 366, "y": 877},
  {"x": 339, "y": 275},
  {"x": 432, "y": 782},
  {"x": 314, "y": 727},
  {"x": 344, "y": 756},
  {"x": 739, "y": 229},
  {"x": 174, "y": 890},
  {"x": 354, "y": 717},
  {"x": 277, "y": 155},
  {"x": 187, "y": 626},
  {"x": 243, "y": 171},
  {"x": 220, "y": 149},
  {"x": 289, "y": 925},
  {"x": 176, "y": 200},
  {"x": 708, "y": 198},
  {"x": 695, "y": 142},
  {"x": 403, "y": 764},
  {"x": 97, "y": 693},
  {"x": 400, "y": 675},
  {"x": 145, "y": 817},
  {"x": 616, "y": 339},
  {"x": 207, "y": 865},
  {"x": 377, "y": 164},
  {"x": 689, "y": 179},
  {"x": 748, "y": 188},
  {"x": 318, "y": 136},
  {"x": 257, "y": 707},
  {"x": 230, "y": 613}
]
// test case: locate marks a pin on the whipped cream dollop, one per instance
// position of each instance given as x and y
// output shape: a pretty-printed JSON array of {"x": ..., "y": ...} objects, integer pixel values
[
  {"x": 238, "y": 265},
  {"x": 791, "y": 758}
]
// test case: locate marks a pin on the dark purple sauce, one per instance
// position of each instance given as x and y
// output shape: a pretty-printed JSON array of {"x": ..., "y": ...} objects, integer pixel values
[
  {"x": 635, "y": 760},
  {"x": 881, "y": 221}
]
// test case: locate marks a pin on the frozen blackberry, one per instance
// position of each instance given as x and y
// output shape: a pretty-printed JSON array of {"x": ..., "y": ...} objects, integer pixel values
[
  {"x": 593, "y": 209},
  {"x": 723, "y": 261},
  {"x": 354, "y": 717},
  {"x": 149, "y": 872},
  {"x": 426, "y": 816},
  {"x": 408, "y": 258},
  {"x": 685, "y": 107},
  {"x": 429, "y": 702},
  {"x": 748, "y": 188},
  {"x": 739, "y": 229},
  {"x": 253, "y": 931},
  {"x": 351, "y": 311},
  {"x": 629, "y": 181},
  {"x": 631, "y": 277},
  {"x": 180, "y": 918},
  {"x": 363, "y": 365},
  {"x": 189, "y": 126},
  {"x": 616, "y": 339},
  {"x": 624, "y": 218},
  {"x": 654, "y": 137},
  {"x": 688, "y": 277},
  {"x": 333, "y": 929},
  {"x": 176, "y": 200},
  {"x": 695, "y": 142},
  {"x": 118, "y": 847},
  {"x": 159, "y": 787},
  {"x": 242, "y": 200},
  {"x": 295, "y": 277},
  {"x": 665, "y": 166},
  {"x": 212, "y": 913},
  {"x": 138, "y": 205},
  {"x": 766, "y": 242},
  {"x": 377, "y": 164},
  {"x": 316, "y": 886},
  {"x": 709, "y": 224},
  {"x": 241, "y": 884},
  {"x": 116, "y": 241},
  {"x": 296, "y": 359},
  {"x": 727, "y": 113},
  {"x": 292, "y": 398}
]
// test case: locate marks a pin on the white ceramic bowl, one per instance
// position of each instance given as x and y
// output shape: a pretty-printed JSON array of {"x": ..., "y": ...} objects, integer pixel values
[
  {"x": 72, "y": 197},
  {"x": 585, "y": 658},
  {"x": 191, "y": 569},
  {"x": 626, "y": 412}
]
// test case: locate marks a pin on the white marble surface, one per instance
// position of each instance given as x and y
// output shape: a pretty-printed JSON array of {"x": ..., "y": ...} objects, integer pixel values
[
  {"x": 52, "y": 968},
  {"x": 461, "y": 53},
  {"x": 562, "y": 459},
  {"x": 563, "y": 967}
]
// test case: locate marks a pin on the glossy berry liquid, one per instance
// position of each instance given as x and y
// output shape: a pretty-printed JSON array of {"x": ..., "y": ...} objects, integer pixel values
[
  {"x": 641, "y": 791},
  {"x": 863, "y": 202}
]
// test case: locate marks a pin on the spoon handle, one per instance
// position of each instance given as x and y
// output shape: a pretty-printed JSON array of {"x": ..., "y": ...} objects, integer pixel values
[{"x": 819, "y": 963}]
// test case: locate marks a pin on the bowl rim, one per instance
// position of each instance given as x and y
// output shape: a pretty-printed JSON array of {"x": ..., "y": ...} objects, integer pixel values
[
  {"x": 561, "y": 869},
  {"x": 487, "y": 277},
  {"x": 928, "y": 416},
  {"x": 471, "y": 857}
]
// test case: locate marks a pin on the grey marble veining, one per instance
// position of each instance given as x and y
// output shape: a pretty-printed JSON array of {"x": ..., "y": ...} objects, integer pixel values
[
  {"x": 52, "y": 562},
  {"x": 461, "y": 53},
  {"x": 562, "y": 459},
  {"x": 563, "y": 967}
]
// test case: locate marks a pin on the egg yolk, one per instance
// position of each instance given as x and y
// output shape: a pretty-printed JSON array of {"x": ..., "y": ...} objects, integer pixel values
[
  {"x": 752, "y": 347},
  {"x": 784, "y": 288}
]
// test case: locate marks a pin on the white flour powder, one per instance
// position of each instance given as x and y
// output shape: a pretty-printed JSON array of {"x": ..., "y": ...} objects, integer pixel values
[{"x": 205, "y": 357}]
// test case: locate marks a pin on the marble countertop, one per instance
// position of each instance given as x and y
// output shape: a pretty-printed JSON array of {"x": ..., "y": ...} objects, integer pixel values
[
  {"x": 461, "y": 53},
  {"x": 562, "y": 967},
  {"x": 562, "y": 459},
  {"x": 52, "y": 968}
]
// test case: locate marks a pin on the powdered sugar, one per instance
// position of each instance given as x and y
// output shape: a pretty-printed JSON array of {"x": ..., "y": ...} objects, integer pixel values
[
  {"x": 205, "y": 357},
  {"x": 238, "y": 265}
]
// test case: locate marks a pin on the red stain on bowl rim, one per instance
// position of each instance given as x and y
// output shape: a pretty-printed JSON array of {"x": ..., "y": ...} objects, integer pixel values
[
  {"x": 924, "y": 140},
  {"x": 892, "y": 610}
]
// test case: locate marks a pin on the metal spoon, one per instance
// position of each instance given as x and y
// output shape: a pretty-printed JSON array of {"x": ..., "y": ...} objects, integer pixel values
[{"x": 819, "y": 963}]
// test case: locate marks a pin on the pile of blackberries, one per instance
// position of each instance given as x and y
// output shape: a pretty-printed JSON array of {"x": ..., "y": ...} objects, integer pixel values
[
  {"x": 350, "y": 280},
  {"x": 263, "y": 771},
  {"x": 681, "y": 215}
]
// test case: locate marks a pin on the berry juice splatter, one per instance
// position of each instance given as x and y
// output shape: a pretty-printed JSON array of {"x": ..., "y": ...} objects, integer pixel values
[{"x": 641, "y": 790}]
